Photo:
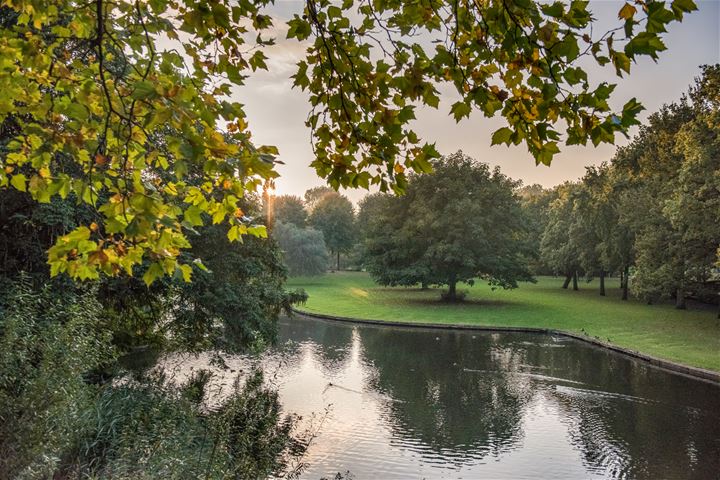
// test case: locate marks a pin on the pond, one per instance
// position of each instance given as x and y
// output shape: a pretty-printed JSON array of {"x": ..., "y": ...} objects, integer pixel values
[{"x": 392, "y": 402}]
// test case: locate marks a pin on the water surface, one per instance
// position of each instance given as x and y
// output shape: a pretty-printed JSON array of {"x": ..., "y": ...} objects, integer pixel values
[{"x": 393, "y": 402}]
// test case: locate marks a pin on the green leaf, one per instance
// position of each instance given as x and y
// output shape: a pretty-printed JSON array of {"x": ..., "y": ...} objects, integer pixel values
[
  {"x": 334, "y": 12},
  {"x": 77, "y": 111},
  {"x": 547, "y": 152},
  {"x": 235, "y": 232},
  {"x": 19, "y": 182},
  {"x": 257, "y": 61},
  {"x": 143, "y": 90},
  {"x": 460, "y": 110},
  {"x": 199, "y": 264},
  {"x": 679, "y": 7},
  {"x": 501, "y": 136},
  {"x": 186, "y": 272},
  {"x": 556, "y": 9},
  {"x": 154, "y": 272},
  {"x": 258, "y": 231},
  {"x": 621, "y": 62},
  {"x": 193, "y": 216}
]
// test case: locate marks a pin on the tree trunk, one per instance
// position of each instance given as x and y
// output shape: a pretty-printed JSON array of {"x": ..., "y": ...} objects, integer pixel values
[
  {"x": 424, "y": 286},
  {"x": 568, "y": 277},
  {"x": 626, "y": 277},
  {"x": 575, "y": 281},
  {"x": 338, "y": 260},
  {"x": 680, "y": 299},
  {"x": 452, "y": 288},
  {"x": 602, "y": 283}
]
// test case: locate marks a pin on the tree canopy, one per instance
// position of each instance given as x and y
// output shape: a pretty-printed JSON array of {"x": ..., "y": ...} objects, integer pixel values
[
  {"x": 288, "y": 209},
  {"x": 115, "y": 102}
]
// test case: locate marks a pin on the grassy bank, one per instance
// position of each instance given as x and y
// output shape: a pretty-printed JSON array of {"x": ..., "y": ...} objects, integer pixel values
[{"x": 691, "y": 337}]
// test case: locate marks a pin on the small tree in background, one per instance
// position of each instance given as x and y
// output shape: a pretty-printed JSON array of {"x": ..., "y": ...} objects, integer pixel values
[
  {"x": 304, "y": 249},
  {"x": 556, "y": 247},
  {"x": 333, "y": 215},
  {"x": 535, "y": 201}
]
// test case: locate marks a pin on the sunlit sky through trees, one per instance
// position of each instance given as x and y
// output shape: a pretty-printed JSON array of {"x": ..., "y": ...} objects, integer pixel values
[{"x": 277, "y": 112}]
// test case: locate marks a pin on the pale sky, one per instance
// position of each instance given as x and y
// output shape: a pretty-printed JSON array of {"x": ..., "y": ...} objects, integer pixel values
[{"x": 277, "y": 112}]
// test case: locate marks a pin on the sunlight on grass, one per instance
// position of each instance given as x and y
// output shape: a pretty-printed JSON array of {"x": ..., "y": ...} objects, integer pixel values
[{"x": 358, "y": 292}]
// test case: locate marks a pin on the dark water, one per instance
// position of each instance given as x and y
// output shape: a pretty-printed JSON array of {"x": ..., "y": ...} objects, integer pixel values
[{"x": 420, "y": 403}]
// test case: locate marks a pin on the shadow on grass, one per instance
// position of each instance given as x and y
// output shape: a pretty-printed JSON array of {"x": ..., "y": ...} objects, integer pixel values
[{"x": 472, "y": 302}]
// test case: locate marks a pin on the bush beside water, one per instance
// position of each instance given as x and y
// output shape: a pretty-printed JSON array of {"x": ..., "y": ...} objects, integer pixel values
[{"x": 67, "y": 411}]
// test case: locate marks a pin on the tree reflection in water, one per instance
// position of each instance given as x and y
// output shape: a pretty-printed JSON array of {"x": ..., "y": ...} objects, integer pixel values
[{"x": 435, "y": 403}]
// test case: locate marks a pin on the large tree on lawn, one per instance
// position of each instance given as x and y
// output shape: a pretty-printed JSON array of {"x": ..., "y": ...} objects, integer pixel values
[{"x": 461, "y": 223}]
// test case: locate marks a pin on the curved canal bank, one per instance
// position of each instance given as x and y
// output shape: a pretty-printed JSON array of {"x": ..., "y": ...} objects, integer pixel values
[{"x": 695, "y": 372}]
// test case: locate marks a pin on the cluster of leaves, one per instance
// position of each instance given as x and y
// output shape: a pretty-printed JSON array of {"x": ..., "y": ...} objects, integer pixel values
[
  {"x": 648, "y": 213},
  {"x": 233, "y": 302},
  {"x": 458, "y": 224},
  {"x": 368, "y": 70},
  {"x": 89, "y": 97}
]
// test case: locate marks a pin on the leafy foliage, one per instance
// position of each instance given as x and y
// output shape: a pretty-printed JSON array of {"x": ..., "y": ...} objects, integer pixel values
[
  {"x": 114, "y": 102},
  {"x": 99, "y": 95},
  {"x": 155, "y": 429},
  {"x": 48, "y": 344},
  {"x": 61, "y": 417},
  {"x": 236, "y": 301},
  {"x": 370, "y": 67},
  {"x": 651, "y": 207}
]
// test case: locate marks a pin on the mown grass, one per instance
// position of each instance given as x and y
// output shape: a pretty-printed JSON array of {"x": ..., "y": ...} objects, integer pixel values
[{"x": 691, "y": 337}]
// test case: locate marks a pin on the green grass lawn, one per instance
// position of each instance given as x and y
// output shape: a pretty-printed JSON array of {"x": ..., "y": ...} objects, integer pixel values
[{"x": 691, "y": 337}]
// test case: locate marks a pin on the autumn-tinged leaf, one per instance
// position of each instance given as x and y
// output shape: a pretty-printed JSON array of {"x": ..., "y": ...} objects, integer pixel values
[{"x": 627, "y": 11}]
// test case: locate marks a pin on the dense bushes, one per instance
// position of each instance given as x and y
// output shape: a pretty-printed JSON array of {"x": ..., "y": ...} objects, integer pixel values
[
  {"x": 61, "y": 416},
  {"x": 49, "y": 347}
]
